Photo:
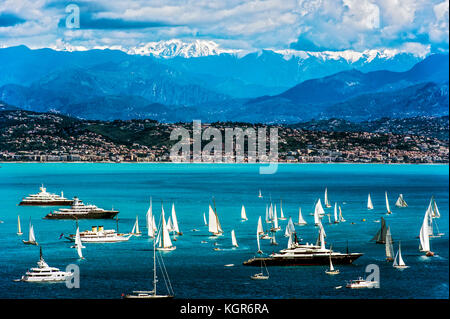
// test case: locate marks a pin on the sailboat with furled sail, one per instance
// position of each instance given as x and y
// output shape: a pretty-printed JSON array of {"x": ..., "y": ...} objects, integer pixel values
[
  {"x": 19, "y": 230},
  {"x": 301, "y": 221},
  {"x": 152, "y": 294},
  {"x": 164, "y": 241},
  {"x": 388, "y": 246},
  {"x": 281, "y": 211},
  {"x": 233, "y": 239},
  {"x": 424, "y": 236},
  {"x": 31, "y": 237},
  {"x": 243, "y": 214},
  {"x": 214, "y": 224},
  {"x": 398, "y": 261},
  {"x": 400, "y": 201},
  {"x": 388, "y": 209},
  {"x": 369, "y": 203},
  {"x": 326, "y": 201}
]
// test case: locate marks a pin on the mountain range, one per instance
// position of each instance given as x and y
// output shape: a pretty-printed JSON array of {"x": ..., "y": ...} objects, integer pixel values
[{"x": 174, "y": 82}]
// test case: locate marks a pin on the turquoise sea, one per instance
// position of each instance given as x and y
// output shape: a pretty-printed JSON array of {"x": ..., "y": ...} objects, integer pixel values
[{"x": 195, "y": 269}]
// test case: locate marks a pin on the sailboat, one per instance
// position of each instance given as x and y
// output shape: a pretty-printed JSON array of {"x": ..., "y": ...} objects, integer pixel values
[
  {"x": 424, "y": 236},
  {"x": 388, "y": 246},
  {"x": 301, "y": 221},
  {"x": 149, "y": 219},
  {"x": 260, "y": 275},
  {"x": 281, "y": 211},
  {"x": 78, "y": 245},
  {"x": 400, "y": 201},
  {"x": 233, "y": 239},
  {"x": 341, "y": 218},
  {"x": 259, "y": 195},
  {"x": 290, "y": 228},
  {"x": 318, "y": 212},
  {"x": 152, "y": 294},
  {"x": 135, "y": 231},
  {"x": 326, "y": 202},
  {"x": 331, "y": 270},
  {"x": 275, "y": 221},
  {"x": 369, "y": 203},
  {"x": 380, "y": 237},
  {"x": 175, "y": 227},
  {"x": 260, "y": 229},
  {"x": 31, "y": 238},
  {"x": 336, "y": 219},
  {"x": 164, "y": 241},
  {"x": 243, "y": 214},
  {"x": 433, "y": 213},
  {"x": 214, "y": 224},
  {"x": 19, "y": 230},
  {"x": 273, "y": 239},
  {"x": 398, "y": 261},
  {"x": 387, "y": 204}
]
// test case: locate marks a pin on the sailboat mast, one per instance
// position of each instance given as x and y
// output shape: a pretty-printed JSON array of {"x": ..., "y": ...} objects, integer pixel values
[{"x": 154, "y": 267}]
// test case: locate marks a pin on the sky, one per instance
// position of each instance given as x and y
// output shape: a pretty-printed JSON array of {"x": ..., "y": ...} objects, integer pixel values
[{"x": 310, "y": 25}]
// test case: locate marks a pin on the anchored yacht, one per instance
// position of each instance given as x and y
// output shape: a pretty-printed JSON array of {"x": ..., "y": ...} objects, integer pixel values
[
  {"x": 100, "y": 235},
  {"x": 44, "y": 198},
  {"x": 44, "y": 273},
  {"x": 82, "y": 211}
]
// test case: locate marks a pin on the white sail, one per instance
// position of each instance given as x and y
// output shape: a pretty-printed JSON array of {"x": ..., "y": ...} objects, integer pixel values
[
  {"x": 135, "y": 229},
  {"x": 291, "y": 226},
  {"x": 260, "y": 229},
  {"x": 400, "y": 201},
  {"x": 275, "y": 219},
  {"x": 270, "y": 212},
  {"x": 214, "y": 224},
  {"x": 326, "y": 202},
  {"x": 434, "y": 209},
  {"x": 174, "y": 220},
  {"x": 388, "y": 245},
  {"x": 233, "y": 239},
  {"x": 78, "y": 243},
  {"x": 424, "y": 235},
  {"x": 331, "y": 264},
  {"x": 169, "y": 224},
  {"x": 154, "y": 224},
  {"x": 257, "y": 241},
  {"x": 301, "y": 221},
  {"x": 341, "y": 218},
  {"x": 322, "y": 237},
  {"x": 400, "y": 259},
  {"x": 336, "y": 220},
  {"x": 286, "y": 231},
  {"x": 204, "y": 219},
  {"x": 290, "y": 242},
  {"x": 165, "y": 241},
  {"x": 149, "y": 221},
  {"x": 281, "y": 211},
  {"x": 243, "y": 214},
  {"x": 19, "y": 230},
  {"x": 369, "y": 202},
  {"x": 31, "y": 237},
  {"x": 395, "y": 263},
  {"x": 318, "y": 212},
  {"x": 387, "y": 203}
]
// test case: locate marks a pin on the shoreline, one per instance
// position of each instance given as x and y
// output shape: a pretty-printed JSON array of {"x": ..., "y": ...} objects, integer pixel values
[{"x": 221, "y": 163}]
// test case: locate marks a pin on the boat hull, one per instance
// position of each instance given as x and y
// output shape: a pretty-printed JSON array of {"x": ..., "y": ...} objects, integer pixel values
[
  {"x": 109, "y": 214},
  {"x": 47, "y": 203},
  {"x": 303, "y": 261}
]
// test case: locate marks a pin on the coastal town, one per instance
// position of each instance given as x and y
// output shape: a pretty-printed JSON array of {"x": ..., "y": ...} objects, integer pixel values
[{"x": 50, "y": 137}]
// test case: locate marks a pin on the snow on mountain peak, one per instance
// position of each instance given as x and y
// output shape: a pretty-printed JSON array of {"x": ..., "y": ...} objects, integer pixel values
[{"x": 175, "y": 47}]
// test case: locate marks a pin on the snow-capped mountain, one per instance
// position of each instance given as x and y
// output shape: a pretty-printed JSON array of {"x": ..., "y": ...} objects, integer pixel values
[{"x": 177, "y": 48}]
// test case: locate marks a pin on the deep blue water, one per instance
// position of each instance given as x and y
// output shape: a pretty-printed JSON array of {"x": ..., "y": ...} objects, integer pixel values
[{"x": 195, "y": 269}]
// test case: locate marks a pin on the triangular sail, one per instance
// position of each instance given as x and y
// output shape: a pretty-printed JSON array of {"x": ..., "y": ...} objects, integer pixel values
[
  {"x": 174, "y": 220},
  {"x": 369, "y": 202},
  {"x": 260, "y": 229},
  {"x": 204, "y": 219},
  {"x": 301, "y": 221},
  {"x": 336, "y": 220},
  {"x": 243, "y": 213},
  {"x": 318, "y": 211},
  {"x": 233, "y": 239},
  {"x": 424, "y": 235},
  {"x": 326, "y": 201},
  {"x": 387, "y": 203},
  {"x": 388, "y": 245},
  {"x": 290, "y": 242},
  {"x": 257, "y": 241},
  {"x": 275, "y": 219},
  {"x": 31, "y": 237},
  {"x": 401, "y": 202},
  {"x": 19, "y": 230},
  {"x": 400, "y": 259},
  {"x": 149, "y": 221},
  {"x": 281, "y": 211},
  {"x": 78, "y": 243},
  {"x": 213, "y": 228},
  {"x": 165, "y": 241},
  {"x": 380, "y": 236},
  {"x": 331, "y": 264}
]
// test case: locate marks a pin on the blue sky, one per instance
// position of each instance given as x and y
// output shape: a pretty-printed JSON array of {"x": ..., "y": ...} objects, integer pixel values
[{"x": 314, "y": 25}]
